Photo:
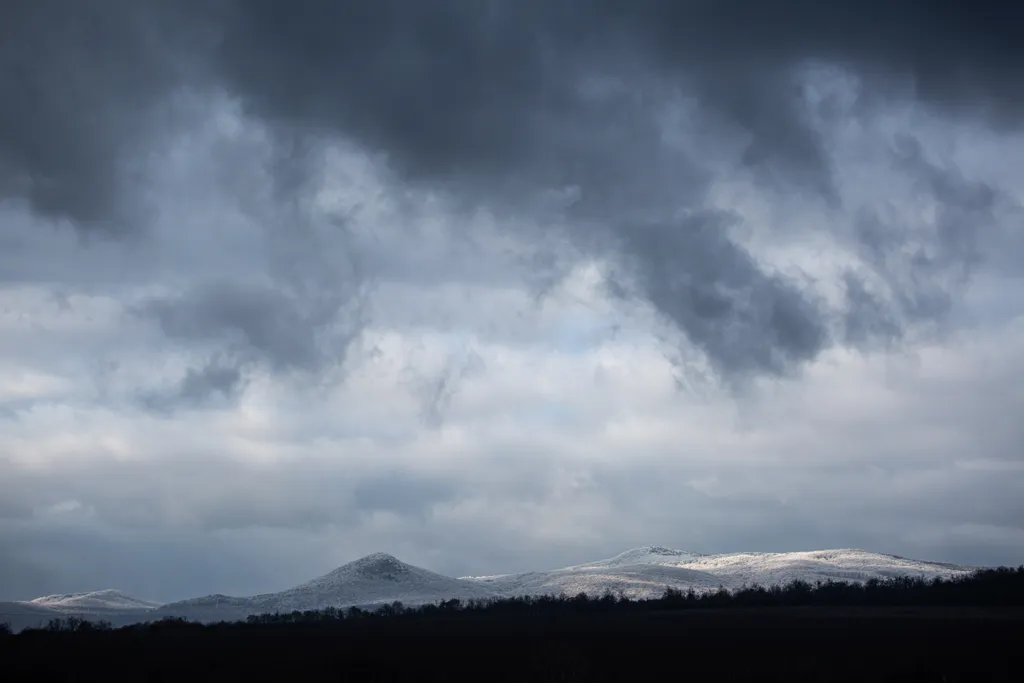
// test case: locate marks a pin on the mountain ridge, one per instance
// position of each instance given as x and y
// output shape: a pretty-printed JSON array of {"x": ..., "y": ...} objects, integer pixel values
[
  {"x": 375, "y": 579},
  {"x": 379, "y": 578},
  {"x": 646, "y": 571}
]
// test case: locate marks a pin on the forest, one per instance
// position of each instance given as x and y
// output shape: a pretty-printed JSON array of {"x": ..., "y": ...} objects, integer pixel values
[{"x": 968, "y": 628}]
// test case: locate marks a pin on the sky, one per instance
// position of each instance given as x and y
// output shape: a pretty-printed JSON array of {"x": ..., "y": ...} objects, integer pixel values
[{"x": 499, "y": 285}]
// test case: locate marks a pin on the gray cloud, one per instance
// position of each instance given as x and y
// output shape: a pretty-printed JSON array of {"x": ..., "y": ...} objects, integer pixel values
[
  {"x": 81, "y": 85},
  {"x": 486, "y": 78},
  {"x": 868, "y": 318},
  {"x": 966, "y": 207},
  {"x": 436, "y": 391},
  {"x": 340, "y": 277},
  {"x": 212, "y": 378},
  {"x": 924, "y": 265},
  {"x": 488, "y": 101},
  {"x": 746, "y": 320},
  {"x": 217, "y": 378},
  {"x": 255, "y": 322},
  {"x": 402, "y": 494}
]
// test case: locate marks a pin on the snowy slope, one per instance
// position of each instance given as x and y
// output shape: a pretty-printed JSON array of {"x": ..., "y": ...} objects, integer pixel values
[
  {"x": 638, "y": 573},
  {"x": 646, "y": 555},
  {"x": 820, "y": 565},
  {"x": 633, "y": 581},
  {"x": 96, "y": 600},
  {"x": 373, "y": 580},
  {"x": 646, "y": 572}
]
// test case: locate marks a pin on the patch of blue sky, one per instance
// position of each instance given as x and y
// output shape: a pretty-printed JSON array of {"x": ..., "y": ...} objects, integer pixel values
[{"x": 578, "y": 332}]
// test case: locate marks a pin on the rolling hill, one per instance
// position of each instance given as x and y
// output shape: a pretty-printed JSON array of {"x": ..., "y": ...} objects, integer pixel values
[
  {"x": 381, "y": 578},
  {"x": 109, "y": 599},
  {"x": 646, "y": 572}
]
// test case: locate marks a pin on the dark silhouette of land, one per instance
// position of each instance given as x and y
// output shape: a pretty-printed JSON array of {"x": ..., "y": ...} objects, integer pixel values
[{"x": 964, "y": 629}]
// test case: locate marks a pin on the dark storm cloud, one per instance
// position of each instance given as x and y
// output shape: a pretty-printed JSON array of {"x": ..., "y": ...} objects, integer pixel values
[
  {"x": 958, "y": 55},
  {"x": 254, "y": 166},
  {"x": 253, "y": 322},
  {"x": 496, "y": 102},
  {"x": 214, "y": 377},
  {"x": 491, "y": 101},
  {"x": 455, "y": 87},
  {"x": 222, "y": 378},
  {"x": 79, "y": 83},
  {"x": 746, "y": 320}
]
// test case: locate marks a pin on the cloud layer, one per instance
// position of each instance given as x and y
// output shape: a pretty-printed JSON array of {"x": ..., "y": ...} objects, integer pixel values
[{"x": 502, "y": 284}]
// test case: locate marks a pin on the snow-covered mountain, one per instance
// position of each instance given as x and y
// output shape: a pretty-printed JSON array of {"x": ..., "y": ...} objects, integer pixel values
[
  {"x": 109, "y": 599},
  {"x": 373, "y": 580},
  {"x": 105, "y": 605},
  {"x": 380, "y": 578},
  {"x": 646, "y": 572}
]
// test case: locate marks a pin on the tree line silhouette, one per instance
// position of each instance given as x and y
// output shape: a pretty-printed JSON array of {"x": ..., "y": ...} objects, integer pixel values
[{"x": 963, "y": 628}]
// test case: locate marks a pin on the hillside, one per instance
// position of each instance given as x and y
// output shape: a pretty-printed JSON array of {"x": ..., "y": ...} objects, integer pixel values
[
  {"x": 373, "y": 580},
  {"x": 646, "y": 572},
  {"x": 95, "y": 600}
]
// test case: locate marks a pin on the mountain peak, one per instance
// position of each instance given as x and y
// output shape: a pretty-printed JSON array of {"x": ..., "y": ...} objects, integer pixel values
[
  {"x": 657, "y": 550},
  {"x": 377, "y": 565},
  {"x": 378, "y": 557},
  {"x": 374, "y": 579},
  {"x": 660, "y": 550}
]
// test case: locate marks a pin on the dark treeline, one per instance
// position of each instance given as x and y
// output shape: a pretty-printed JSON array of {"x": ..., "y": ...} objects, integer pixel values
[{"x": 960, "y": 629}]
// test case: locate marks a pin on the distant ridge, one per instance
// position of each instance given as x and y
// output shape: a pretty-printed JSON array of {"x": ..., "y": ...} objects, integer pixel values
[
  {"x": 108, "y": 599},
  {"x": 645, "y": 572},
  {"x": 380, "y": 578}
]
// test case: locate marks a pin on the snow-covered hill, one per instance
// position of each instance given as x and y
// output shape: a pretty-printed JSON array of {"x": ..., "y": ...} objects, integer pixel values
[
  {"x": 646, "y": 555},
  {"x": 646, "y": 572},
  {"x": 766, "y": 569},
  {"x": 95, "y": 600},
  {"x": 106, "y": 605},
  {"x": 633, "y": 581},
  {"x": 380, "y": 578},
  {"x": 373, "y": 580}
]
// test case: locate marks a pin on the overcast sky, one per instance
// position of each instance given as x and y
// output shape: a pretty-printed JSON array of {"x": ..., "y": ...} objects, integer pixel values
[{"x": 504, "y": 285}]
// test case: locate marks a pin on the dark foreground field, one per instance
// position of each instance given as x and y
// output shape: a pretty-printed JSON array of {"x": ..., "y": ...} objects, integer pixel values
[
  {"x": 969, "y": 630},
  {"x": 806, "y": 644}
]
